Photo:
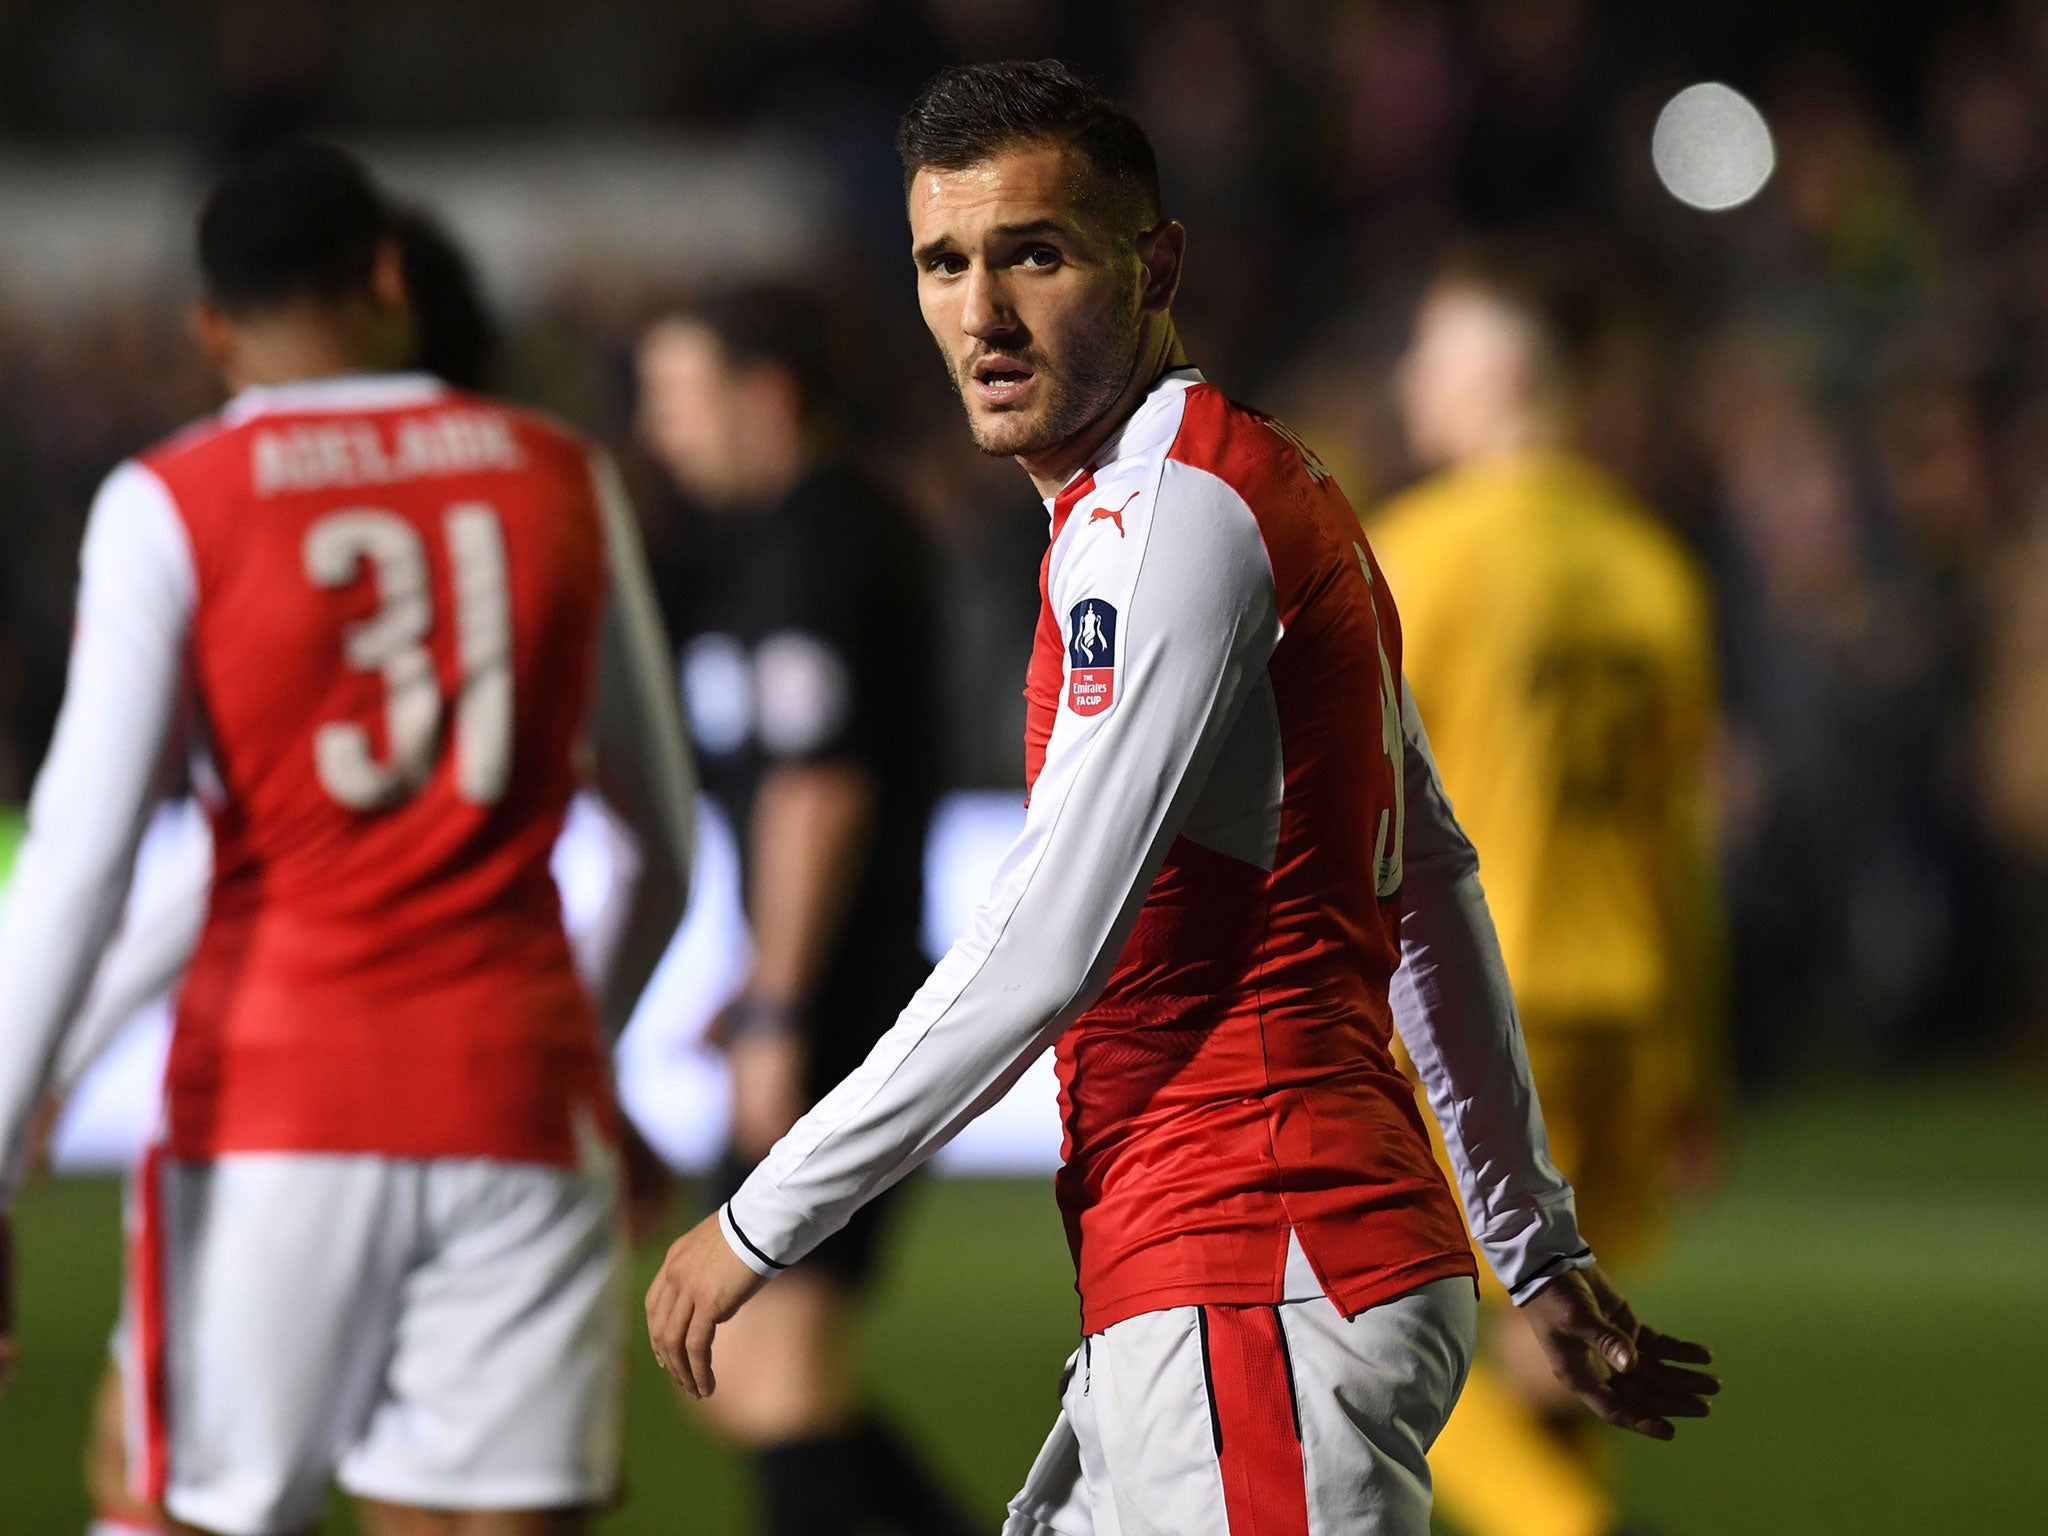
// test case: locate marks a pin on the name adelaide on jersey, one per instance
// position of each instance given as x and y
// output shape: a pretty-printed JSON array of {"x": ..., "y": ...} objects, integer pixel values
[
  {"x": 1091, "y": 657},
  {"x": 317, "y": 456}
]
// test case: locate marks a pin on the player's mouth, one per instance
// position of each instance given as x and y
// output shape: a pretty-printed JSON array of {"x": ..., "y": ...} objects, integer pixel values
[{"x": 999, "y": 381}]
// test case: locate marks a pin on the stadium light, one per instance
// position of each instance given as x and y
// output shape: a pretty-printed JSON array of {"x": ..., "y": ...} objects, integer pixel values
[{"x": 1712, "y": 148}]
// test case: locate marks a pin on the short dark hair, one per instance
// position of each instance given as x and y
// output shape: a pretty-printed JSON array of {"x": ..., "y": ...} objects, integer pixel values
[
  {"x": 776, "y": 325},
  {"x": 302, "y": 221},
  {"x": 969, "y": 112}
]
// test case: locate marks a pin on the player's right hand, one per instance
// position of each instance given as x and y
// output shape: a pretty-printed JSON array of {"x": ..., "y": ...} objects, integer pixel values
[
  {"x": 1630, "y": 1375},
  {"x": 6, "y": 1300},
  {"x": 702, "y": 1282}
]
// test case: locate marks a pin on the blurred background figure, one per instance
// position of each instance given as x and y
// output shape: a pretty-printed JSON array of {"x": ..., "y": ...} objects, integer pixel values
[
  {"x": 804, "y": 599},
  {"x": 454, "y": 338},
  {"x": 1559, "y": 641}
]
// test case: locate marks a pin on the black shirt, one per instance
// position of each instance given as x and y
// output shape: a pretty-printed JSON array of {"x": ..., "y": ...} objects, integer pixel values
[{"x": 807, "y": 634}]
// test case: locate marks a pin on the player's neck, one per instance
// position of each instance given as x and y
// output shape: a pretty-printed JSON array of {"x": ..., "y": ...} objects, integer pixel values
[
  {"x": 1158, "y": 353},
  {"x": 1520, "y": 436},
  {"x": 298, "y": 349}
]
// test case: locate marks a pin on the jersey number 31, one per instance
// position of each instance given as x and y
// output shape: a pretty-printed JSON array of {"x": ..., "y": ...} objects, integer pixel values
[{"x": 392, "y": 642}]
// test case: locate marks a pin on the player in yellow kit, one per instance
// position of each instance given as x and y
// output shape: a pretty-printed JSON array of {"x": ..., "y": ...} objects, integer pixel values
[{"x": 1559, "y": 643}]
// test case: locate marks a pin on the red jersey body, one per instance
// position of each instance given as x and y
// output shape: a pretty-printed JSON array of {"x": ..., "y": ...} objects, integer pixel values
[
  {"x": 393, "y": 652},
  {"x": 1234, "y": 1081}
]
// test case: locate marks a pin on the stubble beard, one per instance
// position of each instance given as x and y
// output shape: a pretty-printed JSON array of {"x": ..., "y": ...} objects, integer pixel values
[{"x": 1093, "y": 375}]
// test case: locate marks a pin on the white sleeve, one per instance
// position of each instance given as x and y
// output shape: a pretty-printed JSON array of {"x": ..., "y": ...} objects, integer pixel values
[
  {"x": 159, "y": 931},
  {"x": 644, "y": 770},
  {"x": 1456, "y": 1014},
  {"x": 1196, "y": 621},
  {"x": 597, "y": 931},
  {"x": 94, "y": 793}
]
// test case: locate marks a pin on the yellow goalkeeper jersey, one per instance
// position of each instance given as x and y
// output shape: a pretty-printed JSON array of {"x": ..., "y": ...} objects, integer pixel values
[{"x": 1559, "y": 643}]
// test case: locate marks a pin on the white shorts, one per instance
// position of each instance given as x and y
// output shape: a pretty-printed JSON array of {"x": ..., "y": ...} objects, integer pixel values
[
  {"x": 1254, "y": 1421},
  {"x": 447, "y": 1334}
]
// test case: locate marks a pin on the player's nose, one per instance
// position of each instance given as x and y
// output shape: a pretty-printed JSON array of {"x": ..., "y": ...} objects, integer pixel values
[{"x": 986, "y": 312}]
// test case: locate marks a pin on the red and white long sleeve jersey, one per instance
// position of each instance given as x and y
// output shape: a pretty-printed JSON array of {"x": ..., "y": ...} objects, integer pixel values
[
  {"x": 1235, "y": 837},
  {"x": 387, "y": 610}
]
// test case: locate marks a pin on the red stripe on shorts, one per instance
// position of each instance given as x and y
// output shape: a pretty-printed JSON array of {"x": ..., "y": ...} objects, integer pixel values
[
  {"x": 1265, "y": 1490},
  {"x": 146, "y": 1297}
]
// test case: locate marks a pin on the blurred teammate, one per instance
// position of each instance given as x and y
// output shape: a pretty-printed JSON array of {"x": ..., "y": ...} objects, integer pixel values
[
  {"x": 454, "y": 338},
  {"x": 1558, "y": 641},
  {"x": 379, "y": 1237},
  {"x": 1235, "y": 835},
  {"x": 805, "y": 613}
]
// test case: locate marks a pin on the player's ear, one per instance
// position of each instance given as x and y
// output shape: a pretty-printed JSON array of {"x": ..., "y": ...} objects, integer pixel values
[
  {"x": 387, "y": 277},
  {"x": 215, "y": 335},
  {"x": 1161, "y": 250}
]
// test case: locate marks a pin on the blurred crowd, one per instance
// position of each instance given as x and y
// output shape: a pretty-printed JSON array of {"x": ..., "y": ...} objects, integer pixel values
[{"x": 1838, "y": 392}]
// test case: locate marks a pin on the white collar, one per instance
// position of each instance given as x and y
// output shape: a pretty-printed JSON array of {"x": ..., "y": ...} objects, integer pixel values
[{"x": 338, "y": 392}]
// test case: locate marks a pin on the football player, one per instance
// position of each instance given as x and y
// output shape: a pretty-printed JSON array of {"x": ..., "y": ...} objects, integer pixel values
[
  {"x": 1236, "y": 839},
  {"x": 378, "y": 1239}
]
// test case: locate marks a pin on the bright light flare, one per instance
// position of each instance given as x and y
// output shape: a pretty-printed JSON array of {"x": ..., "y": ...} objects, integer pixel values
[{"x": 1712, "y": 147}]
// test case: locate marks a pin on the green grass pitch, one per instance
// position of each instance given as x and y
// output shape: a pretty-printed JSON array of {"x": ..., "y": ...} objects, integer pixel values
[{"x": 1875, "y": 1279}]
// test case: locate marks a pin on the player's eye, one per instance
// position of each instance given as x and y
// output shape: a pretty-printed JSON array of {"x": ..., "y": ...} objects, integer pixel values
[
  {"x": 1038, "y": 258},
  {"x": 946, "y": 264}
]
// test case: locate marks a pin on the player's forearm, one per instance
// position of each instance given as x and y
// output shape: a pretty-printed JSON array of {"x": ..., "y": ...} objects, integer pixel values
[
  {"x": 1456, "y": 1014},
  {"x": 809, "y": 836},
  {"x": 62, "y": 905},
  {"x": 69, "y": 884},
  {"x": 1459, "y": 1025},
  {"x": 156, "y": 940}
]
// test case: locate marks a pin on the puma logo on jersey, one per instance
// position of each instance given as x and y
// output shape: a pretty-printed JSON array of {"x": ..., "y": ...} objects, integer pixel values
[{"x": 1114, "y": 514}]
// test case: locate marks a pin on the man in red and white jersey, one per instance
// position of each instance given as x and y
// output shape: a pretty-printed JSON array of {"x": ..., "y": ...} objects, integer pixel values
[
  {"x": 1237, "y": 877},
  {"x": 399, "y": 624}
]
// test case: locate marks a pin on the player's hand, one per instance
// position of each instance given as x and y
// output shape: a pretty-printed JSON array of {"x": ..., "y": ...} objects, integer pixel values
[
  {"x": 6, "y": 1300},
  {"x": 702, "y": 1283},
  {"x": 1630, "y": 1375}
]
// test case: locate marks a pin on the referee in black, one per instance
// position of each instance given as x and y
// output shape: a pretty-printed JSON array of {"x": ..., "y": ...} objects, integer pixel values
[{"x": 804, "y": 601}]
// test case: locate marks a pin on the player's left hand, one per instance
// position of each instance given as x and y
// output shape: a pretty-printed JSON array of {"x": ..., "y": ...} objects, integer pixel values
[
  {"x": 1630, "y": 1375},
  {"x": 702, "y": 1283}
]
